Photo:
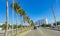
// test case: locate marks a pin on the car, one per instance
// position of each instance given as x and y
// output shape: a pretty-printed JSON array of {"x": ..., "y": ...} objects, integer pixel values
[
  {"x": 53, "y": 27},
  {"x": 35, "y": 27},
  {"x": 59, "y": 28}
]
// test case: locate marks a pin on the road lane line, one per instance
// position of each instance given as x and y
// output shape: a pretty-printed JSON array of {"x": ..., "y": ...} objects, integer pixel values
[{"x": 42, "y": 33}]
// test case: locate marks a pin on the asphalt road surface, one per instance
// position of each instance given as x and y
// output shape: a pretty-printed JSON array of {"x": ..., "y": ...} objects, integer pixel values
[
  {"x": 43, "y": 32},
  {"x": 38, "y": 32}
]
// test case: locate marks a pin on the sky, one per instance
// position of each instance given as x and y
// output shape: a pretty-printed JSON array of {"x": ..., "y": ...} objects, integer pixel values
[{"x": 35, "y": 9}]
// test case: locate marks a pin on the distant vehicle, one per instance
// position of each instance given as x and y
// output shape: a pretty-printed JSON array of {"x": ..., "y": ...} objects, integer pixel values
[
  {"x": 58, "y": 27},
  {"x": 53, "y": 27},
  {"x": 35, "y": 27},
  {"x": 0, "y": 28}
]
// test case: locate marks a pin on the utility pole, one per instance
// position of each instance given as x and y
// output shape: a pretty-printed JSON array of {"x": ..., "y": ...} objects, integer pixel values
[{"x": 54, "y": 16}]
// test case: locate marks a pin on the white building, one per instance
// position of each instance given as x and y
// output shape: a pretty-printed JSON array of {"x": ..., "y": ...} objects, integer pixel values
[{"x": 42, "y": 21}]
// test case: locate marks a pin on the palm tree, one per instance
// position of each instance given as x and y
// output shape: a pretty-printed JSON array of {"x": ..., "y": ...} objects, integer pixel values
[
  {"x": 32, "y": 23},
  {"x": 16, "y": 7},
  {"x": 6, "y": 18},
  {"x": 28, "y": 19},
  {"x": 12, "y": 18},
  {"x": 20, "y": 12},
  {"x": 24, "y": 16}
]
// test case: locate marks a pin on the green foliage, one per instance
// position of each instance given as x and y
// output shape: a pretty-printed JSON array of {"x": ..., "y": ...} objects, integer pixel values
[
  {"x": 49, "y": 25},
  {"x": 16, "y": 6},
  {"x": 32, "y": 23},
  {"x": 20, "y": 26},
  {"x": 28, "y": 19},
  {"x": 4, "y": 26},
  {"x": 15, "y": 27},
  {"x": 58, "y": 23},
  {"x": 20, "y": 12},
  {"x": 46, "y": 25},
  {"x": 23, "y": 13}
]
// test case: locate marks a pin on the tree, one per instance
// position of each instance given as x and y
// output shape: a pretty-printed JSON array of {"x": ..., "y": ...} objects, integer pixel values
[
  {"x": 43, "y": 25},
  {"x": 32, "y": 23},
  {"x": 6, "y": 18},
  {"x": 24, "y": 16},
  {"x": 12, "y": 18},
  {"x": 20, "y": 12},
  {"x": 46, "y": 25},
  {"x": 14, "y": 27},
  {"x": 58, "y": 23},
  {"x": 28, "y": 19},
  {"x": 16, "y": 8}
]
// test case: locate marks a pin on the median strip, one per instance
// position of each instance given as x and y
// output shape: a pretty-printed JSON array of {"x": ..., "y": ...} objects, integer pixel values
[{"x": 23, "y": 32}]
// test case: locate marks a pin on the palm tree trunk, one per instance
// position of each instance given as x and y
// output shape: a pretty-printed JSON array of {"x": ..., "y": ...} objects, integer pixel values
[
  {"x": 6, "y": 31},
  {"x": 12, "y": 19},
  {"x": 21, "y": 20},
  {"x": 16, "y": 24}
]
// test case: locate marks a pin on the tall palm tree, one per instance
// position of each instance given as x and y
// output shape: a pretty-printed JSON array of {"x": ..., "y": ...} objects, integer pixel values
[
  {"x": 24, "y": 16},
  {"x": 12, "y": 18},
  {"x": 28, "y": 19},
  {"x": 20, "y": 12},
  {"x": 32, "y": 23},
  {"x": 16, "y": 7},
  {"x": 6, "y": 18}
]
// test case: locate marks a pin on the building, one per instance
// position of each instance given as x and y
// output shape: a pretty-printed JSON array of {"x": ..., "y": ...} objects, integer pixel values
[{"x": 41, "y": 21}]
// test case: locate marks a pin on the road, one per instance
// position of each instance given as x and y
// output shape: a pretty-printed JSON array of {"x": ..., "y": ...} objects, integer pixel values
[
  {"x": 43, "y": 32},
  {"x": 38, "y": 32}
]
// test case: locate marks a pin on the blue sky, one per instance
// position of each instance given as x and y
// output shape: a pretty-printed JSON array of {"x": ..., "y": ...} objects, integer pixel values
[{"x": 36, "y": 9}]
